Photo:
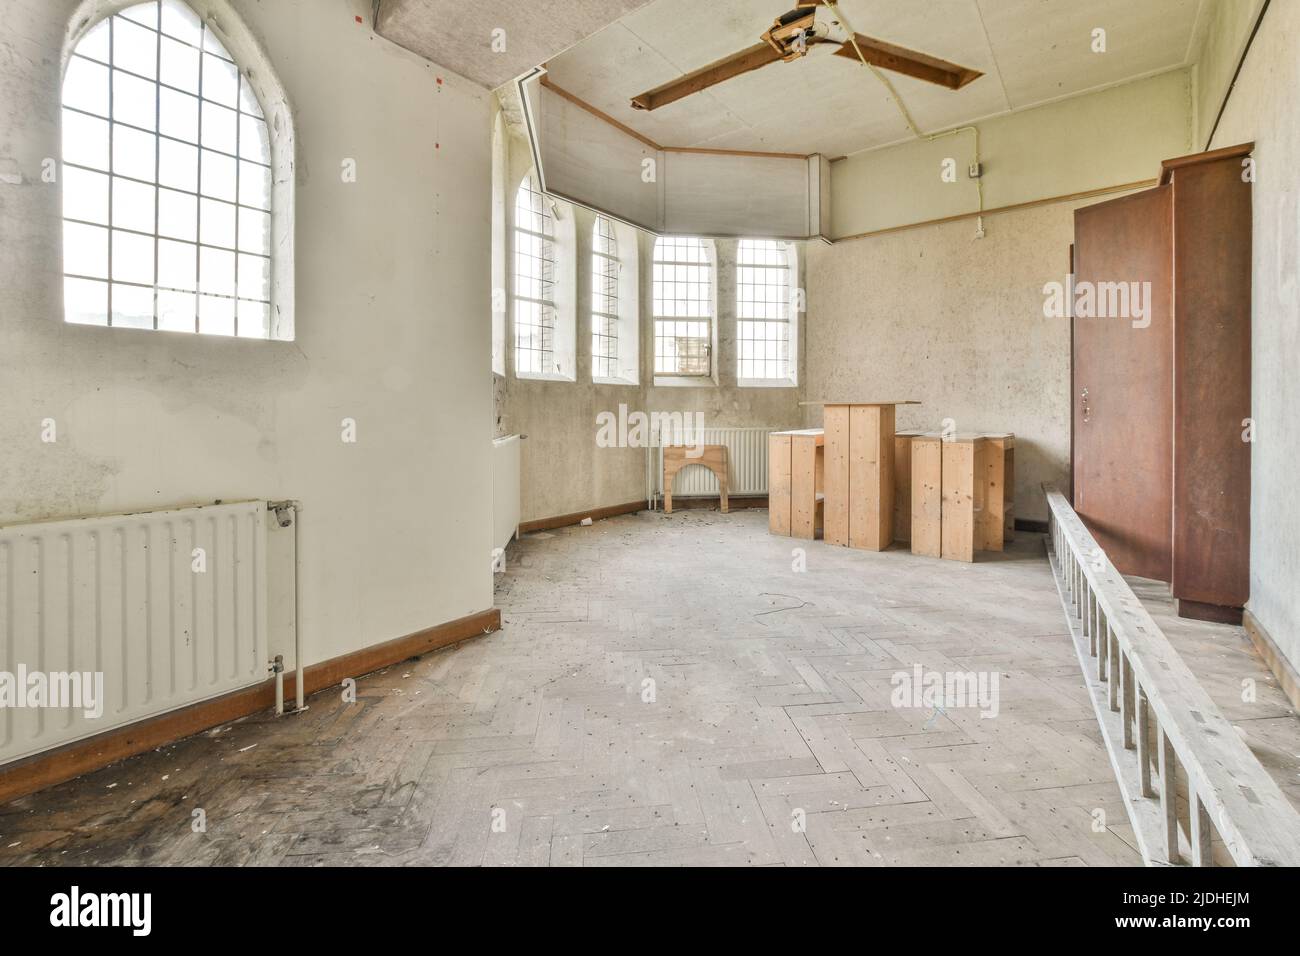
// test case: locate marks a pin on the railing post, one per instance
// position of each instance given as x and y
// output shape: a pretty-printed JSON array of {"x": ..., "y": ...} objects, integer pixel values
[
  {"x": 1199, "y": 820},
  {"x": 1168, "y": 797},
  {"x": 1144, "y": 744},
  {"x": 1113, "y": 654},
  {"x": 1126, "y": 700},
  {"x": 1103, "y": 652}
]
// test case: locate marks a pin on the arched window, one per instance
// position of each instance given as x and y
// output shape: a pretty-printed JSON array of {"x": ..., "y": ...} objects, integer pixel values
[
  {"x": 535, "y": 312},
  {"x": 168, "y": 180},
  {"x": 683, "y": 306},
  {"x": 604, "y": 300},
  {"x": 765, "y": 316}
]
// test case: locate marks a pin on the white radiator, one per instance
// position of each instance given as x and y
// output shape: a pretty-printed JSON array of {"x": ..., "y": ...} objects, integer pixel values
[
  {"x": 505, "y": 490},
  {"x": 170, "y": 606},
  {"x": 746, "y": 462}
]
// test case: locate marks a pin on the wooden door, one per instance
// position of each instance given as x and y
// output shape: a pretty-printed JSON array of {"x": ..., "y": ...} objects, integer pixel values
[{"x": 1123, "y": 382}]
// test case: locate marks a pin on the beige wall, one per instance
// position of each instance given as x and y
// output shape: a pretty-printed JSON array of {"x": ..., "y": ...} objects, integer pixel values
[
  {"x": 933, "y": 315},
  {"x": 1097, "y": 141},
  {"x": 1264, "y": 109},
  {"x": 392, "y": 287}
]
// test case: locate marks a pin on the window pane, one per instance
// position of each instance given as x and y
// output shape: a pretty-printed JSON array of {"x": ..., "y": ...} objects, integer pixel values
[
  {"x": 85, "y": 195},
  {"x": 85, "y": 140},
  {"x": 220, "y": 81},
  {"x": 254, "y": 319},
  {"x": 134, "y": 101},
  {"x": 180, "y": 66},
  {"x": 254, "y": 277},
  {"x": 178, "y": 215},
  {"x": 133, "y": 205},
  {"x": 177, "y": 262},
  {"x": 135, "y": 48},
  {"x": 216, "y": 316},
  {"x": 254, "y": 232},
  {"x": 95, "y": 44},
  {"x": 179, "y": 21},
  {"x": 178, "y": 165},
  {"x": 253, "y": 143},
  {"x": 85, "y": 250},
  {"x": 85, "y": 302},
  {"x": 216, "y": 271},
  {"x": 178, "y": 115},
  {"x": 216, "y": 223},
  {"x": 133, "y": 153},
  {"x": 176, "y": 311},
  {"x": 142, "y": 13},
  {"x": 254, "y": 185},
  {"x": 248, "y": 99},
  {"x": 85, "y": 86},
  {"x": 132, "y": 258},
  {"x": 132, "y": 306},
  {"x": 219, "y": 127},
  {"x": 218, "y": 175}
]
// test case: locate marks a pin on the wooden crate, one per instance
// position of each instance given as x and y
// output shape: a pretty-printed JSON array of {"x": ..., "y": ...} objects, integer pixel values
[
  {"x": 796, "y": 467},
  {"x": 778, "y": 483},
  {"x": 860, "y": 475},
  {"x": 999, "y": 491},
  {"x": 927, "y": 495},
  {"x": 964, "y": 483},
  {"x": 903, "y": 484}
]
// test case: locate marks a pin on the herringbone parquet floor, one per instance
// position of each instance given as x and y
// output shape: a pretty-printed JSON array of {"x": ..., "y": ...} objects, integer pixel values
[{"x": 666, "y": 690}]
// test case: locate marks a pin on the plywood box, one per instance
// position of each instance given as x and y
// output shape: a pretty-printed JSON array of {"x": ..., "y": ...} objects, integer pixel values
[
  {"x": 963, "y": 484},
  {"x": 999, "y": 491},
  {"x": 778, "y": 483},
  {"x": 795, "y": 481},
  {"x": 903, "y": 484},
  {"x": 927, "y": 495}
]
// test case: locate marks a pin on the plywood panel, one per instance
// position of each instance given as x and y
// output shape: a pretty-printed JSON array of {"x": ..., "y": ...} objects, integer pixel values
[
  {"x": 903, "y": 485},
  {"x": 960, "y": 493},
  {"x": 926, "y": 493},
  {"x": 778, "y": 484},
  {"x": 994, "y": 477},
  {"x": 803, "y": 484},
  {"x": 836, "y": 422},
  {"x": 871, "y": 476}
]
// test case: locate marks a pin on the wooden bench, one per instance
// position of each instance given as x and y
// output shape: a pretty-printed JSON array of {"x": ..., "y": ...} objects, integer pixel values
[
  {"x": 677, "y": 457},
  {"x": 796, "y": 469}
]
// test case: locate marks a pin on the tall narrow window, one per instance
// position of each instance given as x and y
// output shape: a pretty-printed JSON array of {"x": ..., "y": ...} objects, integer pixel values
[
  {"x": 763, "y": 311},
  {"x": 167, "y": 183},
  {"x": 535, "y": 311},
  {"x": 604, "y": 300},
  {"x": 683, "y": 306}
]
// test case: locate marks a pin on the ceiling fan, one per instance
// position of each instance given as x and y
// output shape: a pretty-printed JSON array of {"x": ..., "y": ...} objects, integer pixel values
[{"x": 791, "y": 36}]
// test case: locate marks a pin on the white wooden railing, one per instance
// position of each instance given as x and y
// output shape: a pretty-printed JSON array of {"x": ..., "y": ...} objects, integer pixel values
[{"x": 1157, "y": 717}]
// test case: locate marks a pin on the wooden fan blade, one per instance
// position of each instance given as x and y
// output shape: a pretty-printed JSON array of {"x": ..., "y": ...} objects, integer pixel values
[
  {"x": 899, "y": 59},
  {"x": 711, "y": 75}
]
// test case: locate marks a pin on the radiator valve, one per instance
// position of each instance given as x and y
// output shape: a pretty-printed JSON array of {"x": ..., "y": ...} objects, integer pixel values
[{"x": 283, "y": 513}]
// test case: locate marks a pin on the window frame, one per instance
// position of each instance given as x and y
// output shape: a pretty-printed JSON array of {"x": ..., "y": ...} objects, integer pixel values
[
  {"x": 626, "y": 261},
  {"x": 710, "y": 376},
  {"x": 790, "y": 253},
  {"x": 255, "y": 79}
]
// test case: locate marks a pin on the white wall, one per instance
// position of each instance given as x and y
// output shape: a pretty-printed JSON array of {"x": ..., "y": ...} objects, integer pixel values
[
  {"x": 392, "y": 282},
  {"x": 1264, "y": 109}
]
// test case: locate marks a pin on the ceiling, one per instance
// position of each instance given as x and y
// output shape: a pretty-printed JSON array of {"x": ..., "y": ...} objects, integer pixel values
[
  {"x": 458, "y": 35},
  {"x": 1031, "y": 52}
]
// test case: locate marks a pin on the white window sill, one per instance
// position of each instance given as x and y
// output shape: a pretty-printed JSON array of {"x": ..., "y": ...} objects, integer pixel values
[
  {"x": 685, "y": 381},
  {"x": 766, "y": 383},
  {"x": 544, "y": 377},
  {"x": 596, "y": 380}
]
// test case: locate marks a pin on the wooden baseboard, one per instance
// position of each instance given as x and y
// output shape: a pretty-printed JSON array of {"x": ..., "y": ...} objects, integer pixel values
[
  {"x": 72, "y": 760},
  {"x": 1213, "y": 613},
  {"x": 1288, "y": 677},
  {"x": 734, "y": 503},
  {"x": 595, "y": 514},
  {"x": 1031, "y": 524}
]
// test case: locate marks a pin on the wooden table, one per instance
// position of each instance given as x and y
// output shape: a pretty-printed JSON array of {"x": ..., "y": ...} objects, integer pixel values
[
  {"x": 677, "y": 457},
  {"x": 859, "y": 507}
]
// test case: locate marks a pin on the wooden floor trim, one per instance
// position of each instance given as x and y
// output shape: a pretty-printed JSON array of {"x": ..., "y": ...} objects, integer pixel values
[
  {"x": 1288, "y": 677},
  {"x": 39, "y": 771},
  {"x": 595, "y": 514}
]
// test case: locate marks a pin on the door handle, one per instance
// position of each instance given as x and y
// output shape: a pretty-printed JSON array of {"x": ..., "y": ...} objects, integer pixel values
[{"x": 1087, "y": 409}]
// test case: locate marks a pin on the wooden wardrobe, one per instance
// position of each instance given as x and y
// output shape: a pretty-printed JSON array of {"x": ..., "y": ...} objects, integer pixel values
[{"x": 1161, "y": 470}]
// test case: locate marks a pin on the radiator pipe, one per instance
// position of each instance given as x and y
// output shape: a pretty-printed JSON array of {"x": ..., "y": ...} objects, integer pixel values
[
  {"x": 299, "y": 682},
  {"x": 277, "y": 668}
]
